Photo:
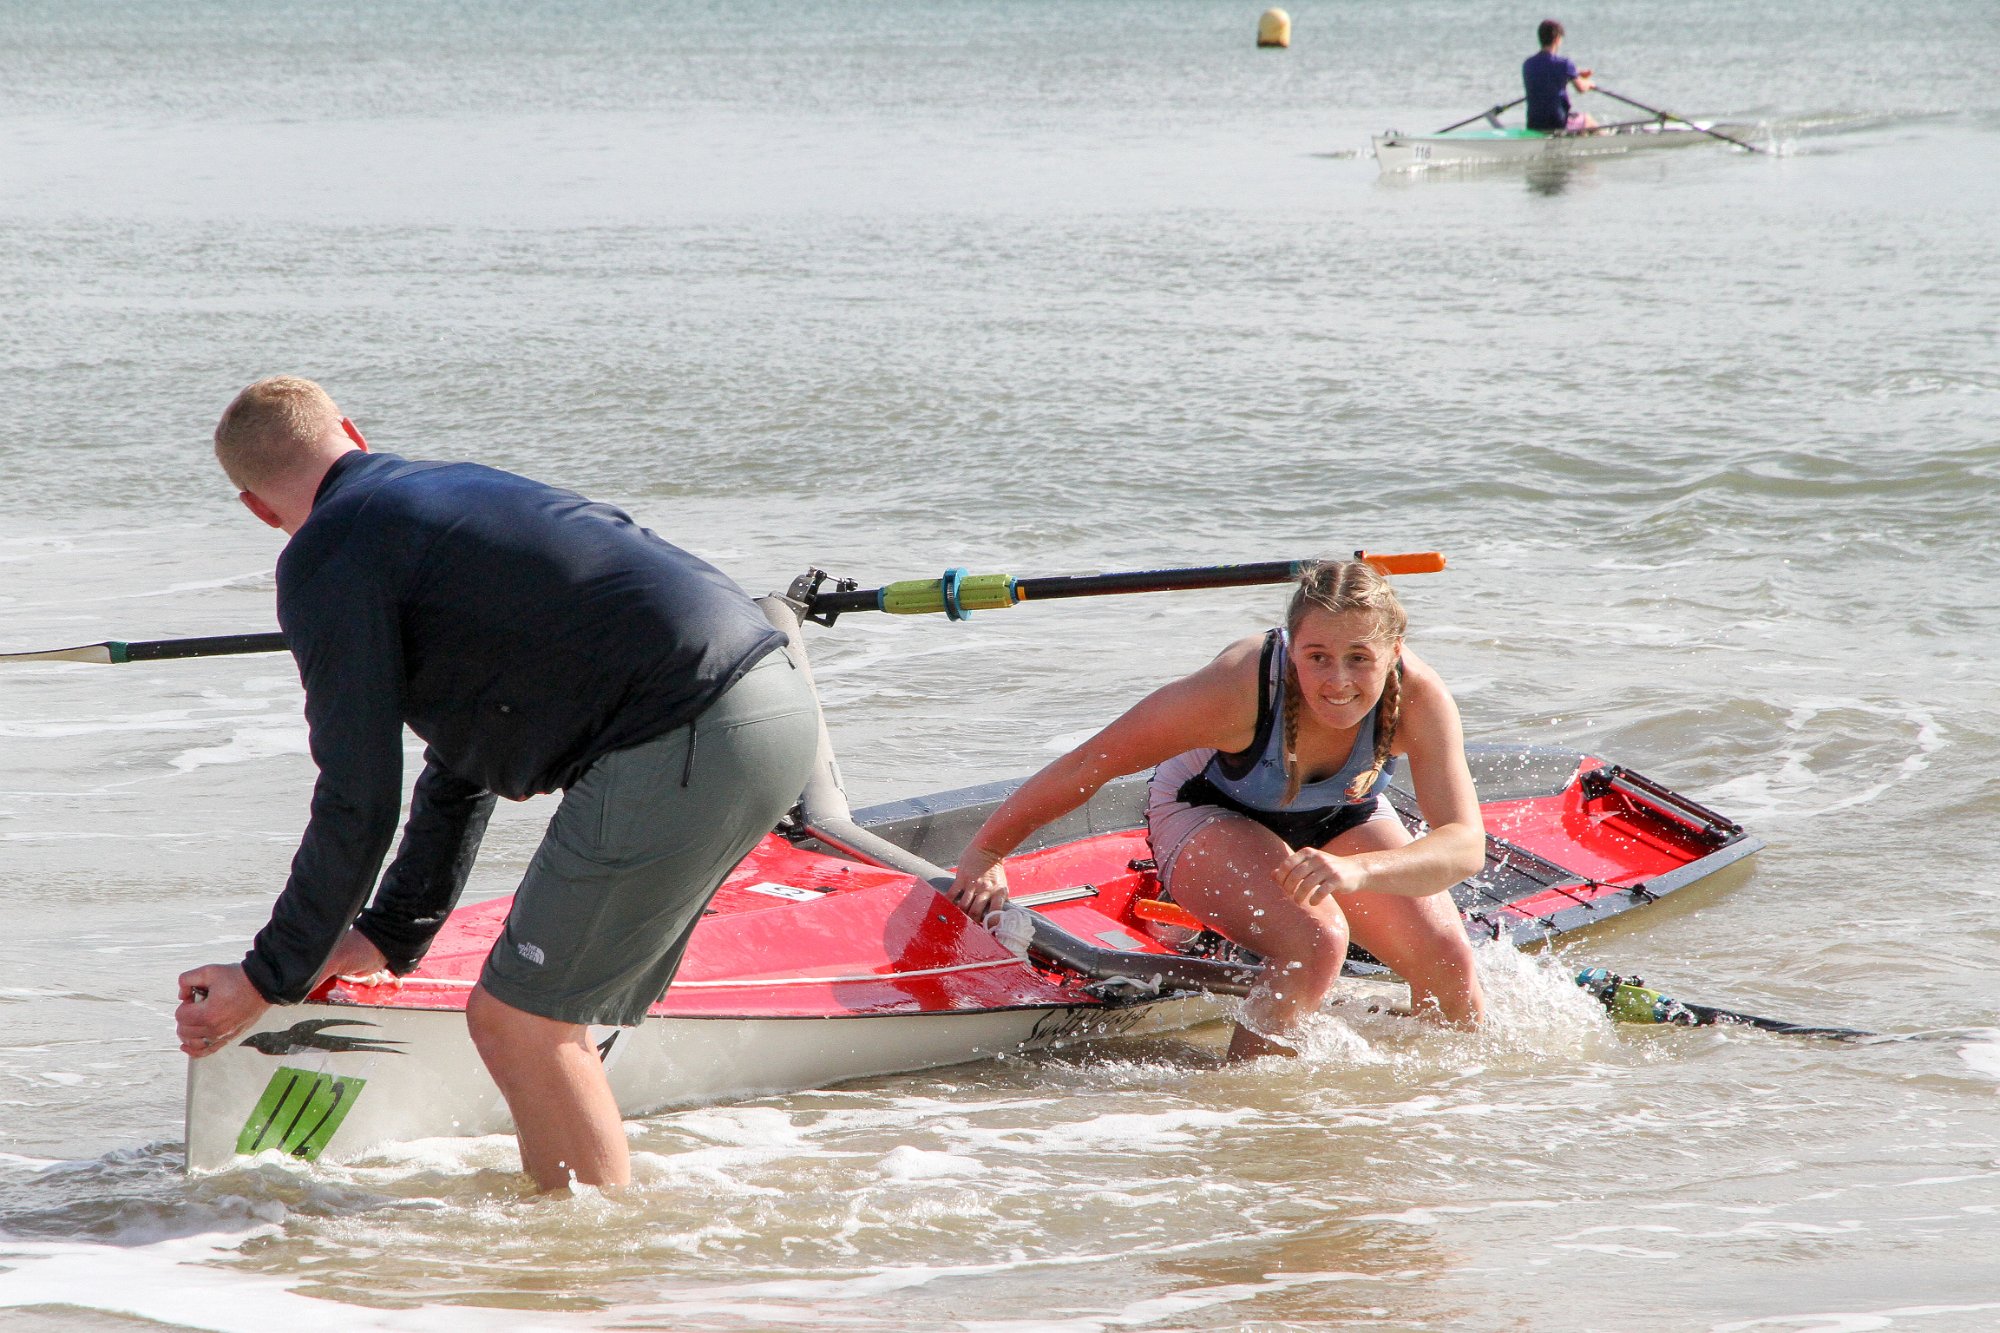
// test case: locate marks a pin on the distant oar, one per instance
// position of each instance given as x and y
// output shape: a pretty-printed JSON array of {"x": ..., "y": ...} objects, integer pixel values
[
  {"x": 1630, "y": 1000},
  {"x": 958, "y": 594},
  {"x": 155, "y": 650},
  {"x": 1491, "y": 113},
  {"x": 1668, "y": 115}
]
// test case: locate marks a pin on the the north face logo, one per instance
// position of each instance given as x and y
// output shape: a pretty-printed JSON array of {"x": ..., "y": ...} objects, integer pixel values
[{"x": 532, "y": 952}]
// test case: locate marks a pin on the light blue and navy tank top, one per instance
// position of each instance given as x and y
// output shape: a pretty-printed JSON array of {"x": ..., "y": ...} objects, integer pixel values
[{"x": 1251, "y": 782}]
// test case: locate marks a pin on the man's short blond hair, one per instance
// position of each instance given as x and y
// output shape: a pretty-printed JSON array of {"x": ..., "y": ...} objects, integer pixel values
[{"x": 271, "y": 428}]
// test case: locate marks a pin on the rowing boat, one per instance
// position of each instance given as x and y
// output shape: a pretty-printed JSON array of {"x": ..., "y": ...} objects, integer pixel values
[
  {"x": 829, "y": 955},
  {"x": 1510, "y": 146}
]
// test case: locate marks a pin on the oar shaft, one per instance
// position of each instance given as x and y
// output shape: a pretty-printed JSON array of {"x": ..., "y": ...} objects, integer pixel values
[
  {"x": 1488, "y": 113},
  {"x": 1630, "y": 1000},
  {"x": 958, "y": 593},
  {"x": 220, "y": 645},
  {"x": 1155, "y": 580},
  {"x": 1668, "y": 115}
]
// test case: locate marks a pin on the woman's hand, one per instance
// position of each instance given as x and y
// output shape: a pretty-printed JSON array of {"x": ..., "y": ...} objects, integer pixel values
[
  {"x": 981, "y": 886},
  {"x": 1309, "y": 875}
]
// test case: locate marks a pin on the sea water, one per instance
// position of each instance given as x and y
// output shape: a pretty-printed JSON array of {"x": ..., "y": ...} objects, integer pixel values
[{"x": 1712, "y": 441}]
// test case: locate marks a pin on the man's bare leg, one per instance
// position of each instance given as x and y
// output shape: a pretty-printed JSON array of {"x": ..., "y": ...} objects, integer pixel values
[{"x": 554, "y": 1083}]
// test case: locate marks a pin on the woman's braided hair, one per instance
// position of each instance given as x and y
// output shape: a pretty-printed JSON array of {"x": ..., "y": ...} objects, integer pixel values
[{"x": 1337, "y": 587}]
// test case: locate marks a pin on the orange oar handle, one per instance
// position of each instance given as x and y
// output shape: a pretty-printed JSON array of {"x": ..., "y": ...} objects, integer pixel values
[
  {"x": 1414, "y": 562},
  {"x": 1165, "y": 913}
]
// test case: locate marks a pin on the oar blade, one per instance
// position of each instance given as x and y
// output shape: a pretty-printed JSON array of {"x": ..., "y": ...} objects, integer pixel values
[
  {"x": 113, "y": 651},
  {"x": 100, "y": 653}
]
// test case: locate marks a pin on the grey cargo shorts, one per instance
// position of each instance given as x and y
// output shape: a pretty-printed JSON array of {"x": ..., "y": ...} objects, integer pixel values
[{"x": 640, "y": 844}]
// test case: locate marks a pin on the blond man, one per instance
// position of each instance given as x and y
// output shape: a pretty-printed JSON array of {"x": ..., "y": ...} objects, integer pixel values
[{"x": 535, "y": 641}]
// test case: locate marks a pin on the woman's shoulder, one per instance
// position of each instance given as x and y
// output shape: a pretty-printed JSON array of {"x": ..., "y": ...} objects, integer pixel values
[
  {"x": 1238, "y": 667},
  {"x": 1420, "y": 675},
  {"x": 1425, "y": 695},
  {"x": 1217, "y": 700}
]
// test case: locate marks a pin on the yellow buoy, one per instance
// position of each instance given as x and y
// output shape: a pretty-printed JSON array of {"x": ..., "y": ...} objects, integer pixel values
[{"x": 1275, "y": 28}]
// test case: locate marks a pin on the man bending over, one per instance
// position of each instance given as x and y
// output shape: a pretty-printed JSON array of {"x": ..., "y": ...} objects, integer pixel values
[{"x": 535, "y": 641}]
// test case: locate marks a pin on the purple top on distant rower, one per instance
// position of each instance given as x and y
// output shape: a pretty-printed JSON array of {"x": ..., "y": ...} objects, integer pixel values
[{"x": 1545, "y": 77}]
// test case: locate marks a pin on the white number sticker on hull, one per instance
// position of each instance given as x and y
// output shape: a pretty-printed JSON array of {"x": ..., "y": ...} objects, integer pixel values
[{"x": 796, "y": 894}]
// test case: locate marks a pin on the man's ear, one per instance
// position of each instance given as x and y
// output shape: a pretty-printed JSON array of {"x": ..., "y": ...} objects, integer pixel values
[{"x": 260, "y": 509}]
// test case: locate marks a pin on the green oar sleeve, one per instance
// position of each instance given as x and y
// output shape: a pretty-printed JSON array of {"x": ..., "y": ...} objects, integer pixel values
[{"x": 956, "y": 594}]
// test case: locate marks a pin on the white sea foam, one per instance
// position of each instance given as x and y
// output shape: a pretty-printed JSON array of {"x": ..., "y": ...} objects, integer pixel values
[
  {"x": 391, "y": 1161},
  {"x": 744, "y": 1126},
  {"x": 1433, "y": 1215},
  {"x": 1984, "y": 1057},
  {"x": 1535, "y": 1011},
  {"x": 1617, "y": 1251},
  {"x": 264, "y": 578},
  {"x": 248, "y": 745},
  {"x": 907, "y": 1163},
  {"x": 791, "y": 1302},
  {"x": 137, "y": 723},
  {"x": 1869, "y": 1321},
  {"x": 1175, "y": 1306},
  {"x": 1784, "y": 785},
  {"x": 188, "y": 1282},
  {"x": 1126, "y": 1131}
]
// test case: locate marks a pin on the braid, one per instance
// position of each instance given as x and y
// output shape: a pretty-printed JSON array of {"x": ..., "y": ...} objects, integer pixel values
[
  {"x": 1385, "y": 731},
  {"x": 1294, "y": 704}
]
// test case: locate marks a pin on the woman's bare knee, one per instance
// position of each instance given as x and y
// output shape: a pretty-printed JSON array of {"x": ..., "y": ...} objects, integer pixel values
[{"x": 1309, "y": 964}]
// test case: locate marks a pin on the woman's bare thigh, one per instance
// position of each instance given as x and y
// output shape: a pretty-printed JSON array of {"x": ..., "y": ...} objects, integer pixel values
[{"x": 1224, "y": 876}]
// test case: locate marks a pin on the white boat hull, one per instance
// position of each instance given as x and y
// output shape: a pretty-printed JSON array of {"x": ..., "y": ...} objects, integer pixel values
[
  {"x": 1415, "y": 152},
  {"x": 418, "y": 1076}
]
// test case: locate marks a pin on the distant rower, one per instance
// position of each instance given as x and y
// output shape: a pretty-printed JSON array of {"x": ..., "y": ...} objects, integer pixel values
[{"x": 1547, "y": 76}]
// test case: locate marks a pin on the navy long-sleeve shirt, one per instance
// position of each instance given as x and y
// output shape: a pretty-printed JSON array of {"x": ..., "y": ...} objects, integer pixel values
[{"x": 520, "y": 630}]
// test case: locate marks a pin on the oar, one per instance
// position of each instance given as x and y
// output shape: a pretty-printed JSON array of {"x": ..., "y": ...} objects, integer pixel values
[
  {"x": 1668, "y": 115},
  {"x": 1630, "y": 1000},
  {"x": 958, "y": 594},
  {"x": 155, "y": 650},
  {"x": 1491, "y": 113}
]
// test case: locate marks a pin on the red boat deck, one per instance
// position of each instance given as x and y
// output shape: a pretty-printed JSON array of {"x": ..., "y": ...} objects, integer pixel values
[{"x": 797, "y": 933}]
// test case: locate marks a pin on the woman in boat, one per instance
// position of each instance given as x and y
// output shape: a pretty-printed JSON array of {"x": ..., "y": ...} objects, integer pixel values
[{"x": 1267, "y": 811}]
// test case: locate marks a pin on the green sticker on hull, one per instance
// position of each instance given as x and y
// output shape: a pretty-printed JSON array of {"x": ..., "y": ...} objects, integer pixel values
[{"x": 299, "y": 1112}]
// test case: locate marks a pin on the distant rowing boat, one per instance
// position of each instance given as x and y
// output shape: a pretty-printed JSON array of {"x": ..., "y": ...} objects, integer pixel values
[{"x": 1398, "y": 152}]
